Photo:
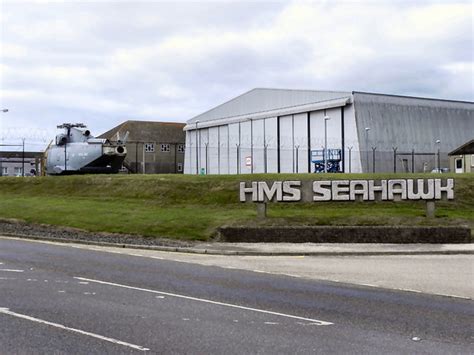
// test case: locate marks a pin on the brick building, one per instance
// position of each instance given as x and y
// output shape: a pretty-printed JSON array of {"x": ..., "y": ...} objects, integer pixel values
[{"x": 152, "y": 147}]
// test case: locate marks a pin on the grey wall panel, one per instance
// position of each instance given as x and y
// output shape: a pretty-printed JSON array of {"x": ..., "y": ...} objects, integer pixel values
[
  {"x": 271, "y": 141},
  {"x": 234, "y": 140},
  {"x": 286, "y": 144},
  {"x": 224, "y": 149},
  {"x": 334, "y": 130},
  {"x": 301, "y": 141},
  {"x": 411, "y": 123},
  {"x": 317, "y": 129},
  {"x": 213, "y": 151},
  {"x": 188, "y": 153},
  {"x": 351, "y": 142},
  {"x": 245, "y": 147},
  {"x": 203, "y": 152},
  {"x": 334, "y": 127},
  {"x": 193, "y": 141},
  {"x": 258, "y": 141}
]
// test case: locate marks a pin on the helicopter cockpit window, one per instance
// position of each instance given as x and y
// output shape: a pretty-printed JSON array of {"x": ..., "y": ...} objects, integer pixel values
[{"x": 149, "y": 147}]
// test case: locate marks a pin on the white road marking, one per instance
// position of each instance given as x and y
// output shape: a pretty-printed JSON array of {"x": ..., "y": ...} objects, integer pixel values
[
  {"x": 60, "y": 326},
  {"x": 7, "y": 278},
  {"x": 12, "y": 270},
  {"x": 262, "y": 271},
  {"x": 368, "y": 285},
  {"x": 272, "y": 323},
  {"x": 83, "y": 283},
  {"x": 291, "y": 275},
  {"x": 316, "y": 321}
]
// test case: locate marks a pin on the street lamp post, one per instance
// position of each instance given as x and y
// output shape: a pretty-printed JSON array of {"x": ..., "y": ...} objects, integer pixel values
[
  {"x": 367, "y": 129},
  {"x": 326, "y": 119},
  {"x": 197, "y": 149},
  {"x": 438, "y": 142}
]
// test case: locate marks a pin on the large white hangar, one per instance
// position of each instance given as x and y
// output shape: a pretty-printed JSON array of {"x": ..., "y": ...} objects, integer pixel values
[{"x": 300, "y": 131}]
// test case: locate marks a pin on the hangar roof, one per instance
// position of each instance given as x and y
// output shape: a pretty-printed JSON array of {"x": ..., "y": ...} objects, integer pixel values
[
  {"x": 260, "y": 100},
  {"x": 466, "y": 148},
  {"x": 148, "y": 131}
]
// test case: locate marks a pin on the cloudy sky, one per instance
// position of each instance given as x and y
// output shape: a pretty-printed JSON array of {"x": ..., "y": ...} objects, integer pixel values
[{"x": 103, "y": 62}]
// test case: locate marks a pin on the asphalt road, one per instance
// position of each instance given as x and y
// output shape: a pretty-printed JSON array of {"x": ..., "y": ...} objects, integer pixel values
[{"x": 59, "y": 299}]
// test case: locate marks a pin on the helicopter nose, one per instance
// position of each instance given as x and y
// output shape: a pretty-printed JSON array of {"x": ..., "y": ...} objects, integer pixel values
[{"x": 120, "y": 150}]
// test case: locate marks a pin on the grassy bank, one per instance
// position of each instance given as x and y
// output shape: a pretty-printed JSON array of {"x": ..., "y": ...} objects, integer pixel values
[{"x": 192, "y": 207}]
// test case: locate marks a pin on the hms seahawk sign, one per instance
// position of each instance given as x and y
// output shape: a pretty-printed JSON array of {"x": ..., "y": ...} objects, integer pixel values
[{"x": 347, "y": 190}]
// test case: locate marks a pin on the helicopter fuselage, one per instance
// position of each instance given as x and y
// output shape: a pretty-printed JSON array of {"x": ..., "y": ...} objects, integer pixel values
[{"x": 76, "y": 152}]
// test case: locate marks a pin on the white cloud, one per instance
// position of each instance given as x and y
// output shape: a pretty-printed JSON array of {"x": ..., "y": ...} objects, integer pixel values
[{"x": 106, "y": 61}]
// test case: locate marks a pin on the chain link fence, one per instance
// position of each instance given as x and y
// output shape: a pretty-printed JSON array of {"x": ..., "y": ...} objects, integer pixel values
[{"x": 239, "y": 159}]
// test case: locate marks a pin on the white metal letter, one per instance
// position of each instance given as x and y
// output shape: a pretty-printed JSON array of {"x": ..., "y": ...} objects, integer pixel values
[
  {"x": 449, "y": 189},
  {"x": 363, "y": 191},
  {"x": 267, "y": 194},
  {"x": 420, "y": 191},
  {"x": 340, "y": 186},
  {"x": 291, "y": 188},
  {"x": 247, "y": 190},
  {"x": 322, "y": 193}
]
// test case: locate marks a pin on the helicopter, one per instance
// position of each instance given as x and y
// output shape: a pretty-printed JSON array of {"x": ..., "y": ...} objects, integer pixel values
[{"x": 76, "y": 151}]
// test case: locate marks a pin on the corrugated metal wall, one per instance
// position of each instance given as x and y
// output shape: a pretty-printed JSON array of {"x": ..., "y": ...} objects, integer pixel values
[{"x": 410, "y": 124}]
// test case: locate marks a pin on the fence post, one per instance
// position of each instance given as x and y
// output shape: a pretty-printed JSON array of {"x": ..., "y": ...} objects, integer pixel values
[
  {"x": 251, "y": 157},
  {"x": 439, "y": 161},
  {"x": 350, "y": 160},
  {"x": 238, "y": 158},
  {"x": 265, "y": 157},
  {"x": 394, "y": 159},
  {"x": 373, "y": 159},
  {"x": 207, "y": 158},
  {"x": 413, "y": 160},
  {"x": 297, "y": 147}
]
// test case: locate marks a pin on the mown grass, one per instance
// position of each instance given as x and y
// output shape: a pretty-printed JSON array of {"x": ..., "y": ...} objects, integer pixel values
[{"x": 192, "y": 207}]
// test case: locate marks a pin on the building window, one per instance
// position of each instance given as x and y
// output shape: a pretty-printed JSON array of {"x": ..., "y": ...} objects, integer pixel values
[
  {"x": 18, "y": 171},
  {"x": 165, "y": 147},
  {"x": 181, "y": 148},
  {"x": 180, "y": 167},
  {"x": 149, "y": 147},
  {"x": 4, "y": 170}
]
